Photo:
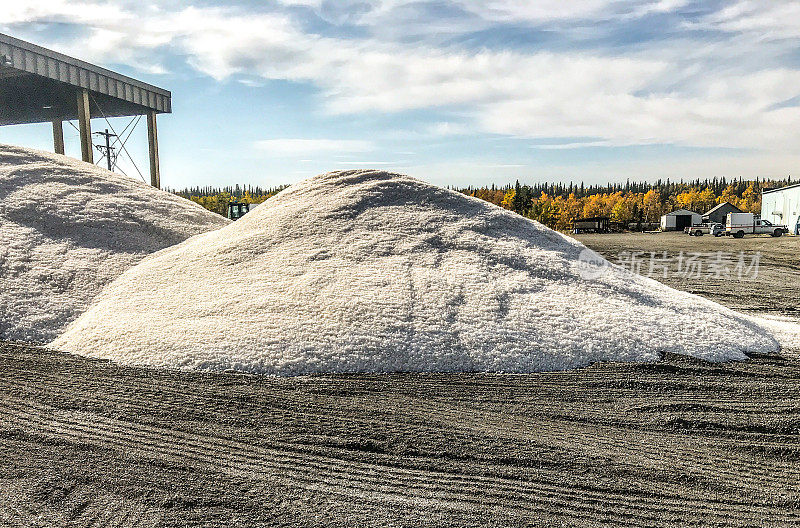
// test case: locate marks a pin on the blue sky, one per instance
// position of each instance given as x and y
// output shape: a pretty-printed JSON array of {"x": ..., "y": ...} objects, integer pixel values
[{"x": 456, "y": 92}]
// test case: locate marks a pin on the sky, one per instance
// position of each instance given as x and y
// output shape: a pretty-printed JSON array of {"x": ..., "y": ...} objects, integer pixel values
[{"x": 456, "y": 92}]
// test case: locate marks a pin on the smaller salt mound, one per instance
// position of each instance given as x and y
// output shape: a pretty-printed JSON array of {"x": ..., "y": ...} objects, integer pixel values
[
  {"x": 367, "y": 271},
  {"x": 785, "y": 329},
  {"x": 68, "y": 228}
]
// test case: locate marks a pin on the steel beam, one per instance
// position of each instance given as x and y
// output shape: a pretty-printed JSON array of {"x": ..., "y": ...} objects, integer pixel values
[
  {"x": 85, "y": 126},
  {"x": 152, "y": 143},
  {"x": 58, "y": 136}
]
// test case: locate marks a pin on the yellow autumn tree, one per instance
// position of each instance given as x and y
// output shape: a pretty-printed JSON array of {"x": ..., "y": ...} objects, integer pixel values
[
  {"x": 571, "y": 208},
  {"x": 651, "y": 202},
  {"x": 751, "y": 199},
  {"x": 593, "y": 206},
  {"x": 508, "y": 199},
  {"x": 729, "y": 195},
  {"x": 706, "y": 199}
]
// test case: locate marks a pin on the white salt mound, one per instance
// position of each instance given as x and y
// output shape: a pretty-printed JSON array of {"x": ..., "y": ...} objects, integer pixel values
[
  {"x": 68, "y": 228},
  {"x": 365, "y": 271},
  {"x": 785, "y": 329}
]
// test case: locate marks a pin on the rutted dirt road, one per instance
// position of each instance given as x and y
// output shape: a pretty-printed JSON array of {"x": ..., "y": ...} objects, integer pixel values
[{"x": 678, "y": 443}]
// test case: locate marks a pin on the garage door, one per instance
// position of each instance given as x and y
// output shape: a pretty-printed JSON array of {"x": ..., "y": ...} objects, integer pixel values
[{"x": 682, "y": 221}]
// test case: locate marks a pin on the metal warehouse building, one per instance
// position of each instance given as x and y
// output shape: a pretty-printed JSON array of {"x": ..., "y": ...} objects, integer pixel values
[
  {"x": 38, "y": 85},
  {"x": 719, "y": 214},
  {"x": 677, "y": 220},
  {"x": 782, "y": 206}
]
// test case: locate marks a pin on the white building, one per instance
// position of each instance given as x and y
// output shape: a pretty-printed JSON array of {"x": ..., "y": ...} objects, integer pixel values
[
  {"x": 677, "y": 220},
  {"x": 782, "y": 206}
]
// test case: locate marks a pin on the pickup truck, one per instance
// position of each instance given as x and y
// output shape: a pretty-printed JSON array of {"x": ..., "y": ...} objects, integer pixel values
[
  {"x": 706, "y": 229},
  {"x": 741, "y": 224}
]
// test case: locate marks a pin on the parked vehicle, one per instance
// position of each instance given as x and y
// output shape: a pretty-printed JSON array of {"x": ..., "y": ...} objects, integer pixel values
[
  {"x": 706, "y": 229},
  {"x": 741, "y": 224},
  {"x": 236, "y": 210}
]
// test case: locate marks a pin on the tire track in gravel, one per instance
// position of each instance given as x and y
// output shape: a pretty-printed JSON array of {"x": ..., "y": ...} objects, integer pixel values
[
  {"x": 581, "y": 448},
  {"x": 607, "y": 443},
  {"x": 330, "y": 475}
]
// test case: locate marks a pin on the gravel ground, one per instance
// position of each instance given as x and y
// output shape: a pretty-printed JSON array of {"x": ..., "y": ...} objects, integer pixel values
[
  {"x": 708, "y": 266},
  {"x": 676, "y": 443}
]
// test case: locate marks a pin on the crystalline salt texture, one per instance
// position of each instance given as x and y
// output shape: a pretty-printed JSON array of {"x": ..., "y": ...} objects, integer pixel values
[
  {"x": 68, "y": 228},
  {"x": 366, "y": 271}
]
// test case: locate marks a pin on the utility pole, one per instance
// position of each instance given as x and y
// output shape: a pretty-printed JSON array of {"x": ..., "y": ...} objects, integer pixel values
[{"x": 107, "y": 149}]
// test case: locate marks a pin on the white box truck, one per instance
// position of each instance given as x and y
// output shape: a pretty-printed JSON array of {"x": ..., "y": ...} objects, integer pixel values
[{"x": 738, "y": 225}]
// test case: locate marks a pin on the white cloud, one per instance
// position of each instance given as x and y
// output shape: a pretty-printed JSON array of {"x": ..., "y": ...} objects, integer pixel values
[
  {"x": 542, "y": 10},
  {"x": 447, "y": 128},
  {"x": 658, "y": 6},
  {"x": 572, "y": 145},
  {"x": 383, "y": 16},
  {"x": 691, "y": 93},
  {"x": 462, "y": 173},
  {"x": 368, "y": 163},
  {"x": 731, "y": 110},
  {"x": 77, "y": 12},
  {"x": 296, "y": 146},
  {"x": 765, "y": 18}
]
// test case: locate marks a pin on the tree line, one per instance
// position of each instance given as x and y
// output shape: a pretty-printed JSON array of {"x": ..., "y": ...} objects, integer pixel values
[
  {"x": 557, "y": 205},
  {"x": 216, "y": 199}
]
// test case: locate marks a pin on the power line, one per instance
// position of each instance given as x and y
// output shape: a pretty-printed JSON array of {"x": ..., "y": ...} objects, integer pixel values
[
  {"x": 107, "y": 149},
  {"x": 133, "y": 120},
  {"x": 125, "y": 140},
  {"x": 124, "y": 149}
]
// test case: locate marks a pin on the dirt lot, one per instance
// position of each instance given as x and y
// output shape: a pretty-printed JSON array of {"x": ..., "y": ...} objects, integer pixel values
[
  {"x": 677, "y": 443},
  {"x": 707, "y": 266}
]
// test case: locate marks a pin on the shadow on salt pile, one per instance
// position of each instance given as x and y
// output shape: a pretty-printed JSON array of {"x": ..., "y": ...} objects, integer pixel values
[
  {"x": 68, "y": 228},
  {"x": 367, "y": 271}
]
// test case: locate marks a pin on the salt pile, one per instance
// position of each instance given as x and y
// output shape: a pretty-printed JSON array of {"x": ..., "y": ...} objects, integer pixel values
[
  {"x": 785, "y": 329},
  {"x": 68, "y": 228},
  {"x": 365, "y": 271}
]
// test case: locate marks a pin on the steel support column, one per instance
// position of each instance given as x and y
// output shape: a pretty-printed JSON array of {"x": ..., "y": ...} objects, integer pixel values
[
  {"x": 58, "y": 136},
  {"x": 152, "y": 143},
  {"x": 85, "y": 126}
]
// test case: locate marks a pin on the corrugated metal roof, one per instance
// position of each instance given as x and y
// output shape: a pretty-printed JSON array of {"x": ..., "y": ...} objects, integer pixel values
[
  {"x": 23, "y": 64},
  {"x": 720, "y": 206}
]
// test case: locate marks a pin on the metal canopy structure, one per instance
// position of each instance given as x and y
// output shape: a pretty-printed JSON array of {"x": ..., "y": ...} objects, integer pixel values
[{"x": 38, "y": 85}]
